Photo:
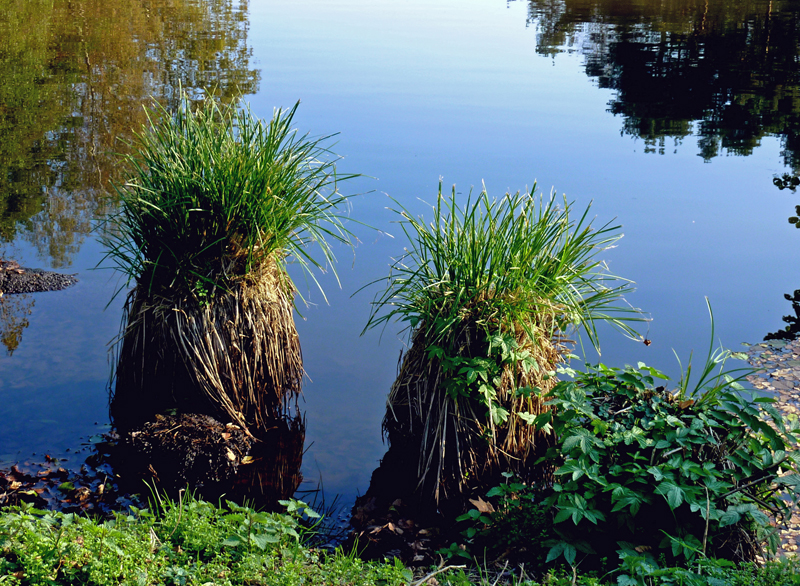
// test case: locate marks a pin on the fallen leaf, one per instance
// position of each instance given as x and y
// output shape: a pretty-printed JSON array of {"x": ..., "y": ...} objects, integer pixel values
[
  {"x": 231, "y": 455},
  {"x": 482, "y": 505}
]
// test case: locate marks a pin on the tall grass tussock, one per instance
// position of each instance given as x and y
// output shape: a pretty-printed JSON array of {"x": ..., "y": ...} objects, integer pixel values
[
  {"x": 489, "y": 289},
  {"x": 218, "y": 203}
]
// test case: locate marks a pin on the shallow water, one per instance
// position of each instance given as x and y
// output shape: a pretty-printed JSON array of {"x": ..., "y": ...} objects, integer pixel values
[{"x": 674, "y": 122}]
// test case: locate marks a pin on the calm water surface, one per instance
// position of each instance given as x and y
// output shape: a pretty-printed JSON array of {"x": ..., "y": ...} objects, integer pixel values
[{"x": 673, "y": 118}]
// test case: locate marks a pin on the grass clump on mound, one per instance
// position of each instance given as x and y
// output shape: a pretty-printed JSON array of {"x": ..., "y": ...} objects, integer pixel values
[
  {"x": 489, "y": 291},
  {"x": 218, "y": 203}
]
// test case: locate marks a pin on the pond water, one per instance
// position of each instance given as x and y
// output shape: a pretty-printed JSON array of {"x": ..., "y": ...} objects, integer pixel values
[{"x": 672, "y": 118}]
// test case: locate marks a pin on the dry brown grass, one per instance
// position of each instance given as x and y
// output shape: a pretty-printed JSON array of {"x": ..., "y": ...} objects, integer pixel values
[
  {"x": 240, "y": 351},
  {"x": 460, "y": 447}
]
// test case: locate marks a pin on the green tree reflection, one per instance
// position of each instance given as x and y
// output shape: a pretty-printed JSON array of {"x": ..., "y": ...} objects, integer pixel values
[
  {"x": 726, "y": 70},
  {"x": 73, "y": 77},
  {"x": 14, "y": 312}
]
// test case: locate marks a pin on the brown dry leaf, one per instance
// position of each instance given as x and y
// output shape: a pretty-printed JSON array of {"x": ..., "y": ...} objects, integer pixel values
[
  {"x": 686, "y": 403},
  {"x": 82, "y": 493},
  {"x": 226, "y": 436},
  {"x": 231, "y": 455},
  {"x": 642, "y": 548},
  {"x": 482, "y": 505},
  {"x": 15, "y": 485}
]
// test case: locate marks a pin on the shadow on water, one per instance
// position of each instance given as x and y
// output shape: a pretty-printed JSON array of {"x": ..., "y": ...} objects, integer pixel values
[{"x": 214, "y": 460}]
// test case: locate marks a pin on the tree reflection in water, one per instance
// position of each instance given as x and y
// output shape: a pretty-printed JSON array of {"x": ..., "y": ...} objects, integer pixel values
[
  {"x": 14, "y": 312},
  {"x": 73, "y": 78},
  {"x": 726, "y": 71}
]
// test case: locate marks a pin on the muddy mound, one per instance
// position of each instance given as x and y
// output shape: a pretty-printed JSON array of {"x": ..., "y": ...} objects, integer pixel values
[{"x": 17, "y": 279}]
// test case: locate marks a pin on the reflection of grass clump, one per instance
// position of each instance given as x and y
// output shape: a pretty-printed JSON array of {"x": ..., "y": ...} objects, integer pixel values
[
  {"x": 218, "y": 203},
  {"x": 488, "y": 290}
]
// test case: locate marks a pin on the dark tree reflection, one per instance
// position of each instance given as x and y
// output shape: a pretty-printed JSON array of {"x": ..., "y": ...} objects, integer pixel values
[
  {"x": 74, "y": 75},
  {"x": 727, "y": 70}
]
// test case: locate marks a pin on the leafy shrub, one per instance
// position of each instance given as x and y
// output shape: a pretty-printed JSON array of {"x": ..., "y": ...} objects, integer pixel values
[{"x": 677, "y": 475}]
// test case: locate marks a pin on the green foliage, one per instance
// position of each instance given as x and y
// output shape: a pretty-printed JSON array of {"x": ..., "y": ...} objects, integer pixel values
[
  {"x": 187, "y": 542},
  {"x": 487, "y": 289},
  {"x": 513, "y": 261},
  {"x": 215, "y": 192},
  {"x": 697, "y": 473},
  {"x": 479, "y": 377},
  {"x": 182, "y": 543},
  {"x": 515, "y": 529}
]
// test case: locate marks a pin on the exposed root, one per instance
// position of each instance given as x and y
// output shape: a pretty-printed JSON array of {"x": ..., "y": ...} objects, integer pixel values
[
  {"x": 240, "y": 350},
  {"x": 458, "y": 444}
]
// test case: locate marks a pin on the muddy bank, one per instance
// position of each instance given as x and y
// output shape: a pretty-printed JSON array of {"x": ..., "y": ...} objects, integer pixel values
[
  {"x": 213, "y": 459},
  {"x": 170, "y": 454},
  {"x": 55, "y": 484},
  {"x": 17, "y": 279}
]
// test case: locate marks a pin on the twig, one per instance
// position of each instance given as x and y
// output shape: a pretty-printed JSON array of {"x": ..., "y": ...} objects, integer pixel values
[
  {"x": 441, "y": 569},
  {"x": 748, "y": 485},
  {"x": 500, "y": 575}
]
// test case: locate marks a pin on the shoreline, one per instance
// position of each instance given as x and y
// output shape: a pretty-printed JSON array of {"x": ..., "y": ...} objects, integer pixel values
[{"x": 778, "y": 365}]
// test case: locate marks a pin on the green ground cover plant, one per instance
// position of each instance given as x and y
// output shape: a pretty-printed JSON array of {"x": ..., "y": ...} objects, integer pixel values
[
  {"x": 489, "y": 288},
  {"x": 648, "y": 479},
  {"x": 218, "y": 202},
  {"x": 190, "y": 542}
]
